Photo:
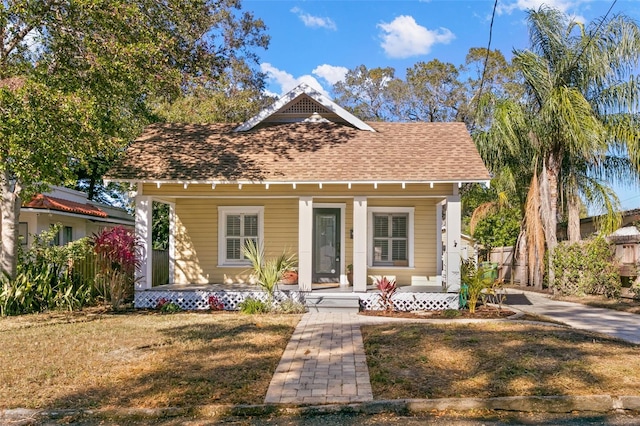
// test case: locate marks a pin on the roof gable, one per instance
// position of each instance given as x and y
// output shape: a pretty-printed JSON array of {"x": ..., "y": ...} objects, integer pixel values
[{"x": 300, "y": 104}]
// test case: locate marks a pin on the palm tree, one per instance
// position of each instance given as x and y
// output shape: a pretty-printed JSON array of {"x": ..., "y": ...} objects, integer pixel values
[{"x": 575, "y": 122}]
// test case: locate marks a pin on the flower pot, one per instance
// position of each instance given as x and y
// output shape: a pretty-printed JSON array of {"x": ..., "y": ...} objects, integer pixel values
[{"x": 289, "y": 278}]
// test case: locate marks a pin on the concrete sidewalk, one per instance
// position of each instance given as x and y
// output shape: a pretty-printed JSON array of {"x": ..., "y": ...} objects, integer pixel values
[{"x": 622, "y": 325}]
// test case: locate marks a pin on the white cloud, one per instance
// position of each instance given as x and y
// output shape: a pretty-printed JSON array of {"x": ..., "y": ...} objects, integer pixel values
[
  {"x": 562, "y": 5},
  {"x": 314, "y": 21},
  {"x": 403, "y": 37},
  {"x": 331, "y": 74},
  {"x": 287, "y": 81}
]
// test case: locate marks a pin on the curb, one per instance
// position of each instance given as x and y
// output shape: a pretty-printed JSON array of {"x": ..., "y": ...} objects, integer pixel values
[{"x": 537, "y": 404}]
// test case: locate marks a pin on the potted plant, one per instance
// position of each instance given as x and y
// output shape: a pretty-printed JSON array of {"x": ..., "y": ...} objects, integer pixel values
[
  {"x": 290, "y": 277},
  {"x": 350, "y": 273}
]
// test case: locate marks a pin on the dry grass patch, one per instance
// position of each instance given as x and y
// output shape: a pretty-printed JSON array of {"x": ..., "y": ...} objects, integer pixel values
[
  {"x": 139, "y": 359},
  {"x": 496, "y": 359}
]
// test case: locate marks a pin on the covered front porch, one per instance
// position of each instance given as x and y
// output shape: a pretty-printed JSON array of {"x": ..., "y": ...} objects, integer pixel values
[{"x": 393, "y": 230}]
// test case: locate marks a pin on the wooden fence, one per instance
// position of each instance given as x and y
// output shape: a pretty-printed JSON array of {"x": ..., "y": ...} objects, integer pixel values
[{"x": 88, "y": 267}]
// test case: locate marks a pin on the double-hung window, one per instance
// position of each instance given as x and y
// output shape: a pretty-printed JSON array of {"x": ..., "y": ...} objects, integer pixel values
[
  {"x": 391, "y": 237},
  {"x": 237, "y": 226}
]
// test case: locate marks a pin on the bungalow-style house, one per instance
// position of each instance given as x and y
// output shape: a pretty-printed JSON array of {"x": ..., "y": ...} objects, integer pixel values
[
  {"x": 304, "y": 176},
  {"x": 78, "y": 216}
]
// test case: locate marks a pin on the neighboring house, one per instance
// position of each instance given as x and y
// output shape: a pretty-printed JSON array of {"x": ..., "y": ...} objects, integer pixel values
[
  {"x": 588, "y": 225},
  {"x": 78, "y": 216},
  {"x": 305, "y": 176},
  {"x": 627, "y": 250}
]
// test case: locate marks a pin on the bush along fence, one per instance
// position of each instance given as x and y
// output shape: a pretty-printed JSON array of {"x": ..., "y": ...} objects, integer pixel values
[{"x": 78, "y": 274}]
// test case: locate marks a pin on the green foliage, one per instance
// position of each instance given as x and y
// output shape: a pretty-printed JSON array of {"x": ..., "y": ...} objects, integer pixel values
[
  {"x": 268, "y": 272},
  {"x": 587, "y": 267},
  {"x": 499, "y": 229},
  {"x": 160, "y": 226},
  {"x": 635, "y": 289},
  {"x": 476, "y": 281},
  {"x": 167, "y": 306},
  {"x": 46, "y": 278},
  {"x": 451, "y": 313},
  {"x": 254, "y": 306},
  {"x": 290, "y": 306}
]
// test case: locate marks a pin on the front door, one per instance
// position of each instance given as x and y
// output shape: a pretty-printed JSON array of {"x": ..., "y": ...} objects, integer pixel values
[{"x": 326, "y": 245}]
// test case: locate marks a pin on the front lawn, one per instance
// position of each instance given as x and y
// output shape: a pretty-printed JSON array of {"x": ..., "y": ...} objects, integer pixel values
[
  {"x": 139, "y": 359},
  {"x": 496, "y": 359}
]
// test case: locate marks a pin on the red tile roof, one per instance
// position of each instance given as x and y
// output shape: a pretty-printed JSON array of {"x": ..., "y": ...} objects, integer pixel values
[
  {"x": 42, "y": 201},
  {"x": 302, "y": 151}
]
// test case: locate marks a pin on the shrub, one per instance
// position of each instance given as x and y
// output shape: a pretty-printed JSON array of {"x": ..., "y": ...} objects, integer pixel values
[
  {"x": 476, "y": 281},
  {"x": 251, "y": 305},
  {"x": 290, "y": 306},
  {"x": 117, "y": 251},
  {"x": 387, "y": 290},
  {"x": 215, "y": 304},
  {"x": 46, "y": 278},
  {"x": 586, "y": 267},
  {"x": 267, "y": 271},
  {"x": 167, "y": 306}
]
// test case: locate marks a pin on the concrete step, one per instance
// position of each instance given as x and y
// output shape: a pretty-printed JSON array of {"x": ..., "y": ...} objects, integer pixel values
[{"x": 328, "y": 302}]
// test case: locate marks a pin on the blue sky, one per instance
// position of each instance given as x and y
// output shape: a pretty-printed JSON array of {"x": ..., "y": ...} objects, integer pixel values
[{"x": 316, "y": 42}]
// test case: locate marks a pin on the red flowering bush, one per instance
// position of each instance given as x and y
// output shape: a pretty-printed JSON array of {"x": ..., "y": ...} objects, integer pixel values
[
  {"x": 387, "y": 289},
  {"x": 117, "y": 251},
  {"x": 215, "y": 304}
]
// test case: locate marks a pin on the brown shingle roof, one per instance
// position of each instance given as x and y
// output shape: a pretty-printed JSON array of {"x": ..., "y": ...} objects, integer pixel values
[{"x": 299, "y": 152}]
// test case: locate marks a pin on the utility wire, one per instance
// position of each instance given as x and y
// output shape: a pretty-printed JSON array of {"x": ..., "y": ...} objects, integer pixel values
[
  {"x": 592, "y": 36},
  {"x": 486, "y": 60}
]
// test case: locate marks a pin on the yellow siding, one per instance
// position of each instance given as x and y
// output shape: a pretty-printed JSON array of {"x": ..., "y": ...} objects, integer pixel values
[
  {"x": 197, "y": 222},
  {"x": 197, "y": 237},
  {"x": 425, "y": 240}
]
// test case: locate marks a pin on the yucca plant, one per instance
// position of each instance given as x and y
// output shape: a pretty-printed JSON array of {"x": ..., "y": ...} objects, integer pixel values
[{"x": 267, "y": 272}]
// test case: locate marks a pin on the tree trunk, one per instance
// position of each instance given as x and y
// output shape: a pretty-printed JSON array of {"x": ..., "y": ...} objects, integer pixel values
[
  {"x": 10, "y": 210},
  {"x": 573, "y": 219},
  {"x": 520, "y": 269},
  {"x": 549, "y": 207}
]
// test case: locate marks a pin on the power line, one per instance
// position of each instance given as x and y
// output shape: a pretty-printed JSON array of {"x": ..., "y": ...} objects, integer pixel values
[
  {"x": 591, "y": 36},
  {"x": 486, "y": 58}
]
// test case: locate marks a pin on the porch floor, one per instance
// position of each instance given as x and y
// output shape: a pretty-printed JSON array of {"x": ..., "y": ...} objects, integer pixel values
[{"x": 315, "y": 288}]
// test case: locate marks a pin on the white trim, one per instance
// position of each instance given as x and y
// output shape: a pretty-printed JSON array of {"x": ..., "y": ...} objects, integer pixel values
[
  {"x": 430, "y": 182},
  {"x": 343, "y": 209},
  {"x": 410, "y": 211},
  {"x": 360, "y": 243},
  {"x": 172, "y": 242},
  {"x": 144, "y": 274},
  {"x": 439, "y": 238},
  {"x": 296, "y": 92},
  {"x": 305, "y": 243},
  {"x": 223, "y": 212}
]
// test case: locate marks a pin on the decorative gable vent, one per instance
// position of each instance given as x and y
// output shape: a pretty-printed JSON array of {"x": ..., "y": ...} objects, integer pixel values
[{"x": 306, "y": 106}]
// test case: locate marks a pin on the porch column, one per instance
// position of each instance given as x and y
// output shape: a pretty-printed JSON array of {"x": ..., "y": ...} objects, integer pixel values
[
  {"x": 360, "y": 244},
  {"x": 439, "y": 239},
  {"x": 172, "y": 242},
  {"x": 305, "y": 243},
  {"x": 453, "y": 222},
  {"x": 144, "y": 206}
]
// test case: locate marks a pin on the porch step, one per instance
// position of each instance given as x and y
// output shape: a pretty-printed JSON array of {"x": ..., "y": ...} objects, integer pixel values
[{"x": 333, "y": 302}]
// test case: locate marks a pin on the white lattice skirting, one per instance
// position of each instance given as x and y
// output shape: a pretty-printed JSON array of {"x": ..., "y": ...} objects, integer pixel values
[
  {"x": 412, "y": 301},
  {"x": 199, "y": 299},
  {"x": 194, "y": 300}
]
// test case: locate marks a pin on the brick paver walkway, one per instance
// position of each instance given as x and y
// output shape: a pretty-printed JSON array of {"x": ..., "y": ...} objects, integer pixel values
[{"x": 324, "y": 362}]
